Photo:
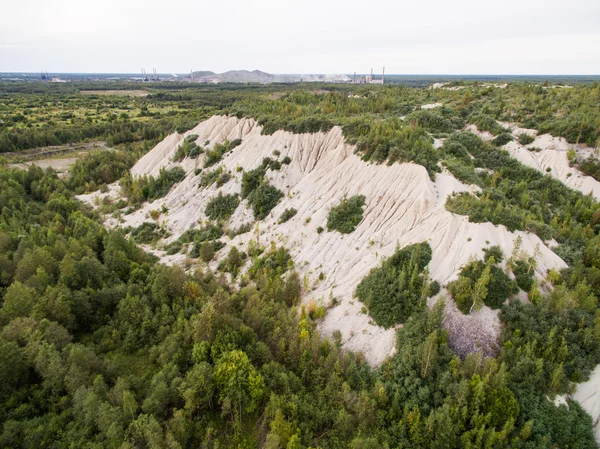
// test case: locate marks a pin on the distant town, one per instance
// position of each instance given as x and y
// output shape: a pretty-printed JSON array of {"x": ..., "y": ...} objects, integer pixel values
[{"x": 260, "y": 77}]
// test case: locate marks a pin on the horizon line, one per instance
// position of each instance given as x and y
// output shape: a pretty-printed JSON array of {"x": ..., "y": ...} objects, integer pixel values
[{"x": 306, "y": 73}]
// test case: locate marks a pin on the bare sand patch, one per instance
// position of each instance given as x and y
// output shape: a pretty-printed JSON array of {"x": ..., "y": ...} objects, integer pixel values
[{"x": 60, "y": 165}]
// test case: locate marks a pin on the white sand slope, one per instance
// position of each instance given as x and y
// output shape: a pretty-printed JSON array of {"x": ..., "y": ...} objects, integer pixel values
[
  {"x": 212, "y": 130},
  {"x": 483, "y": 135},
  {"x": 554, "y": 157},
  {"x": 158, "y": 157},
  {"x": 588, "y": 395},
  {"x": 403, "y": 206}
]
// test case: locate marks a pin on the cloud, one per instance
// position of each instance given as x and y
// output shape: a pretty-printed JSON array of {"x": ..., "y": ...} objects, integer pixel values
[
  {"x": 312, "y": 36},
  {"x": 11, "y": 46}
]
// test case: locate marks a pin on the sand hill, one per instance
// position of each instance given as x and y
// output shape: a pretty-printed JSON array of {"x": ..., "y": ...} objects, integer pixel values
[{"x": 403, "y": 206}]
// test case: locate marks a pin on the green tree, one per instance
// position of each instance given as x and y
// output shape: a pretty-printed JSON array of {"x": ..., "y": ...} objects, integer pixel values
[
  {"x": 240, "y": 385},
  {"x": 480, "y": 290},
  {"x": 18, "y": 301}
]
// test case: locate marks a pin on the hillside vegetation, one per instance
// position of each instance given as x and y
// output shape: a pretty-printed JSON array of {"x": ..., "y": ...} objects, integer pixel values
[{"x": 102, "y": 345}]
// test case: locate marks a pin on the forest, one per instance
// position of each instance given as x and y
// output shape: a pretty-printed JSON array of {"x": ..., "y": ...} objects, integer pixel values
[{"x": 104, "y": 346}]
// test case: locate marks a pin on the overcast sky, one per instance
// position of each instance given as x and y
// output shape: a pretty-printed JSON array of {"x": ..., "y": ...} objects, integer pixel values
[{"x": 308, "y": 36}]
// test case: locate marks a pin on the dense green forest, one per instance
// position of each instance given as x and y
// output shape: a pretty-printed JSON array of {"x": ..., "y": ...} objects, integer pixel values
[
  {"x": 36, "y": 114},
  {"x": 103, "y": 346}
]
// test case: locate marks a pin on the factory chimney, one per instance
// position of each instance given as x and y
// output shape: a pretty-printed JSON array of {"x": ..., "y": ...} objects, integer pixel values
[{"x": 383, "y": 76}]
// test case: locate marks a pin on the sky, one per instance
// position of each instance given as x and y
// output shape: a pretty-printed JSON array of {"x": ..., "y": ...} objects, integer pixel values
[{"x": 308, "y": 36}]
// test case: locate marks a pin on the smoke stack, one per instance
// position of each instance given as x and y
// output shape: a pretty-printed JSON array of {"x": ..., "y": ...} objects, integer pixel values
[{"x": 383, "y": 76}]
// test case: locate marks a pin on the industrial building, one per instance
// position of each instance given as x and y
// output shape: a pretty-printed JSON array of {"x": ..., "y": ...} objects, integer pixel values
[{"x": 369, "y": 79}]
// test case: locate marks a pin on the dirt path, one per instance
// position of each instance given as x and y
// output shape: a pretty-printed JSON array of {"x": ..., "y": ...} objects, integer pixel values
[{"x": 60, "y": 158}]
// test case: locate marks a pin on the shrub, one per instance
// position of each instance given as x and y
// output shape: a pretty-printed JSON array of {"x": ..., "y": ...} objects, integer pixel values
[
  {"x": 394, "y": 141},
  {"x": 494, "y": 293},
  {"x": 213, "y": 156},
  {"x": 397, "y": 288},
  {"x": 456, "y": 149},
  {"x": 210, "y": 247},
  {"x": 286, "y": 160},
  {"x": 148, "y": 188},
  {"x": 270, "y": 164},
  {"x": 218, "y": 176},
  {"x": 495, "y": 252},
  {"x": 502, "y": 139},
  {"x": 434, "y": 121},
  {"x": 287, "y": 215},
  {"x": 463, "y": 172},
  {"x": 242, "y": 229},
  {"x": 523, "y": 275},
  {"x": 147, "y": 233},
  {"x": 485, "y": 122},
  {"x": 347, "y": 215},
  {"x": 223, "y": 179},
  {"x": 264, "y": 199},
  {"x": 276, "y": 260},
  {"x": 232, "y": 263},
  {"x": 525, "y": 139},
  {"x": 260, "y": 194},
  {"x": 590, "y": 167},
  {"x": 209, "y": 232},
  {"x": 188, "y": 148},
  {"x": 251, "y": 180},
  {"x": 469, "y": 141},
  {"x": 166, "y": 179},
  {"x": 207, "y": 251},
  {"x": 173, "y": 249},
  {"x": 222, "y": 206}
]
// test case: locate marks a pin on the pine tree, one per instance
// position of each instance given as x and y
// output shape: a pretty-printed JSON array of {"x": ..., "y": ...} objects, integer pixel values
[
  {"x": 480, "y": 290},
  {"x": 430, "y": 352}
]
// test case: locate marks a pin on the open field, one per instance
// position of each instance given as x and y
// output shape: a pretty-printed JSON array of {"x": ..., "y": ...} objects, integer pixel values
[
  {"x": 60, "y": 164},
  {"x": 116, "y": 93}
]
